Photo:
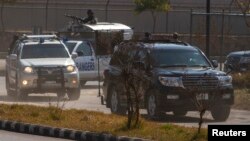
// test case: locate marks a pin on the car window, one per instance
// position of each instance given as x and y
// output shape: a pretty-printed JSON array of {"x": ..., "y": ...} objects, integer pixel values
[
  {"x": 70, "y": 46},
  {"x": 85, "y": 48},
  {"x": 44, "y": 51},
  {"x": 164, "y": 58}
]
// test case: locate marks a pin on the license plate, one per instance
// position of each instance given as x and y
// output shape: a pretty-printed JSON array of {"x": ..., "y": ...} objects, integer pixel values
[
  {"x": 50, "y": 82},
  {"x": 202, "y": 96}
]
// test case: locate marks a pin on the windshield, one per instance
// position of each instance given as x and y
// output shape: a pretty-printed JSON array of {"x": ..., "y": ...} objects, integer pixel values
[
  {"x": 70, "y": 46},
  {"x": 179, "y": 58},
  {"x": 44, "y": 51}
]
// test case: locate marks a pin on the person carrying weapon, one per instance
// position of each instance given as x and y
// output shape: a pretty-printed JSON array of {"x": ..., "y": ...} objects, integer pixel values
[{"x": 90, "y": 19}]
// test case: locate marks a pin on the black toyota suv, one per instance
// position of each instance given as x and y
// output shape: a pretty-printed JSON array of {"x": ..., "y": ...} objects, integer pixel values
[
  {"x": 179, "y": 75},
  {"x": 238, "y": 61}
]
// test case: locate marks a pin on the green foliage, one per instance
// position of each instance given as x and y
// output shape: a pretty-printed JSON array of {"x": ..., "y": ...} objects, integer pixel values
[{"x": 152, "y": 5}]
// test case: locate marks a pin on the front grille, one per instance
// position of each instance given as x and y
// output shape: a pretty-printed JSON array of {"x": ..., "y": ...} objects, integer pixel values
[
  {"x": 202, "y": 83},
  {"x": 49, "y": 73}
]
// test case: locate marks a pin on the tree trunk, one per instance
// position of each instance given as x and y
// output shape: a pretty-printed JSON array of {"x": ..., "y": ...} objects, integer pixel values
[
  {"x": 154, "y": 20},
  {"x": 46, "y": 15},
  {"x": 137, "y": 110},
  {"x": 2, "y": 22},
  {"x": 129, "y": 103},
  {"x": 106, "y": 10},
  {"x": 202, "y": 112}
]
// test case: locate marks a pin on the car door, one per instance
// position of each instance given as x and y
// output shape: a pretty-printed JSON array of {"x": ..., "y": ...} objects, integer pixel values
[
  {"x": 12, "y": 64},
  {"x": 85, "y": 61}
]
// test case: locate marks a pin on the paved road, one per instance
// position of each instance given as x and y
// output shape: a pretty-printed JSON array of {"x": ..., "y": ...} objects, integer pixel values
[
  {"x": 90, "y": 101},
  {"x": 10, "y": 136}
]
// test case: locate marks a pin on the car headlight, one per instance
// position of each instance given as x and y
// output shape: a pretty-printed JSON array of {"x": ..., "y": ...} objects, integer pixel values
[
  {"x": 225, "y": 80},
  {"x": 171, "y": 81},
  {"x": 28, "y": 70},
  {"x": 70, "y": 68}
]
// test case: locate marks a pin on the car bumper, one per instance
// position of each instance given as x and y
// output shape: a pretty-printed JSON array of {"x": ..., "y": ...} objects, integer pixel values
[
  {"x": 49, "y": 83},
  {"x": 184, "y": 99}
]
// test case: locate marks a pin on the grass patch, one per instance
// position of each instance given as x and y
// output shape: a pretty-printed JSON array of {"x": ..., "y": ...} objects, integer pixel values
[{"x": 98, "y": 122}]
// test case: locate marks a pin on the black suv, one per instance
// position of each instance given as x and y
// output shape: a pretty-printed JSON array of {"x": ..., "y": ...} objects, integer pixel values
[
  {"x": 238, "y": 61},
  {"x": 179, "y": 75}
]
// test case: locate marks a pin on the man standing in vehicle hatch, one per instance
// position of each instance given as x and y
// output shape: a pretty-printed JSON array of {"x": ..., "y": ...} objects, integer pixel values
[{"x": 90, "y": 19}]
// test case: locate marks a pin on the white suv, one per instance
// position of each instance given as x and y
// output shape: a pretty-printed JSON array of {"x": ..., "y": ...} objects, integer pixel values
[
  {"x": 41, "y": 64},
  {"x": 87, "y": 61}
]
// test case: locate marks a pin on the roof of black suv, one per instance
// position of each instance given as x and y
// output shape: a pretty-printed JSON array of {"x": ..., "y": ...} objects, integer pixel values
[{"x": 168, "y": 46}]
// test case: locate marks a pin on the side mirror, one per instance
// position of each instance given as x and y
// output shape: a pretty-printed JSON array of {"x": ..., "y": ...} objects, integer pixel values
[
  {"x": 74, "y": 55},
  {"x": 215, "y": 63},
  {"x": 13, "y": 57}
]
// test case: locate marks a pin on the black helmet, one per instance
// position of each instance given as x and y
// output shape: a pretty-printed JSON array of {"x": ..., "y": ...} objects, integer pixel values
[{"x": 89, "y": 11}]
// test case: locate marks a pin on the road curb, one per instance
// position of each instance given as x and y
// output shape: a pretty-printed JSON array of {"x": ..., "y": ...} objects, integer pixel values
[{"x": 64, "y": 133}]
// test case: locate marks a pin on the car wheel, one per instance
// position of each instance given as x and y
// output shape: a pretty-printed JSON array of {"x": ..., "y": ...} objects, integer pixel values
[
  {"x": 153, "y": 106},
  {"x": 180, "y": 113},
  {"x": 115, "y": 105},
  {"x": 7, "y": 84},
  {"x": 220, "y": 112},
  {"x": 74, "y": 93},
  {"x": 19, "y": 93}
]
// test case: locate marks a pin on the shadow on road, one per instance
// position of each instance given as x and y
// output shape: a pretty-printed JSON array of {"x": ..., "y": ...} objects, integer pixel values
[
  {"x": 91, "y": 87},
  {"x": 32, "y": 98},
  {"x": 175, "y": 119}
]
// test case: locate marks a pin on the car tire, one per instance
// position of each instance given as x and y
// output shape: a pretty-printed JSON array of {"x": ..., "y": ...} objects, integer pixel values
[
  {"x": 179, "y": 113},
  {"x": 7, "y": 84},
  {"x": 220, "y": 112},
  {"x": 153, "y": 105},
  {"x": 115, "y": 104},
  {"x": 74, "y": 93},
  {"x": 19, "y": 93}
]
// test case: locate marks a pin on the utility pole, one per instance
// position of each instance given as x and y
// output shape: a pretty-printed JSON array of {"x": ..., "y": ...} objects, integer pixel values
[{"x": 208, "y": 29}]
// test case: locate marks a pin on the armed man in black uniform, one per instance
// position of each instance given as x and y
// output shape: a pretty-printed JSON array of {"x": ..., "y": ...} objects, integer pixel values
[{"x": 90, "y": 19}]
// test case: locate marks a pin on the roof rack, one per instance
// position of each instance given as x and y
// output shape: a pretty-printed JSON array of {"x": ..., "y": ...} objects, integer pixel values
[
  {"x": 38, "y": 37},
  {"x": 165, "y": 41}
]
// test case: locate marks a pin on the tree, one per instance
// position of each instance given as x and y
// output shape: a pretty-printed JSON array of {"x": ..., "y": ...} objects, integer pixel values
[
  {"x": 132, "y": 78},
  {"x": 244, "y": 7},
  {"x": 3, "y": 2},
  {"x": 153, "y": 6}
]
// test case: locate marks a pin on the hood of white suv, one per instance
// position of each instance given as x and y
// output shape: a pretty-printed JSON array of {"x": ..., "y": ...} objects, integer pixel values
[{"x": 47, "y": 62}]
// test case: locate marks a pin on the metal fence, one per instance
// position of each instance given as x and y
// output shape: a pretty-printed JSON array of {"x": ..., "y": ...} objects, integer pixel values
[{"x": 236, "y": 33}]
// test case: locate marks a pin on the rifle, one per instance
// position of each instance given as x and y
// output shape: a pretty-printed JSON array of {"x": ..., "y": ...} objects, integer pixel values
[{"x": 75, "y": 18}]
